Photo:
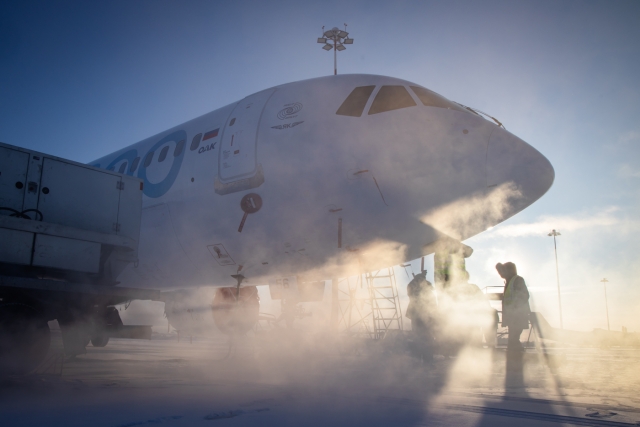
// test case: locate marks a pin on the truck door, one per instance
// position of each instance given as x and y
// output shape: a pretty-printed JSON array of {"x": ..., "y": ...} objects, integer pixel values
[
  {"x": 238, "y": 167},
  {"x": 13, "y": 177}
]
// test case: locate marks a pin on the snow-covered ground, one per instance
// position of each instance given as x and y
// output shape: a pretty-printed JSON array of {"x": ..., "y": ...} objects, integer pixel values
[{"x": 282, "y": 380}]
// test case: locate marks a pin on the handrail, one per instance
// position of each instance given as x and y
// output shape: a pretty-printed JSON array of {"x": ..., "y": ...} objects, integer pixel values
[{"x": 493, "y": 295}]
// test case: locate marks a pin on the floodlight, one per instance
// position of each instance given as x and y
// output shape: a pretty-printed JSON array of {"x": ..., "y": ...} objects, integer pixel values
[{"x": 335, "y": 39}]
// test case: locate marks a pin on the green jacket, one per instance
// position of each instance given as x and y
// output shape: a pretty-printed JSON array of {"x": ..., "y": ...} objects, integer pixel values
[
  {"x": 422, "y": 304},
  {"x": 515, "y": 304}
]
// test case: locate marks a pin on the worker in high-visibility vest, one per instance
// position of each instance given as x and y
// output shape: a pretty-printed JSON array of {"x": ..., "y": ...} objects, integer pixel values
[{"x": 515, "y": 304}]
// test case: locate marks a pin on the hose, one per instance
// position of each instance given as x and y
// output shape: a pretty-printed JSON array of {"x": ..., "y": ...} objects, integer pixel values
[{"x": 22, "y": 214}]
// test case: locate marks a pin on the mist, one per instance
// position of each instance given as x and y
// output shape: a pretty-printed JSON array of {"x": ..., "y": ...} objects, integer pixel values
[
  {"x": 280, "y": 375},
  {"x": 81, "y": 80}
]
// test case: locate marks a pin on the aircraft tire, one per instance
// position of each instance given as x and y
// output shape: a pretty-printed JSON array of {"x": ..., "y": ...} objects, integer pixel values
[
  {"x": 100, "y": 340},
  {"x": 24, "y": 339}
]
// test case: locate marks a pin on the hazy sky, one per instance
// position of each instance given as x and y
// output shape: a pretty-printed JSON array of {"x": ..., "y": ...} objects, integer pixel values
[{"x": 82, "y": 79}]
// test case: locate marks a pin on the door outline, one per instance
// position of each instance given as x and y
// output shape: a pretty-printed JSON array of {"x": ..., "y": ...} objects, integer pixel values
[{"x": 249, "y": 179}]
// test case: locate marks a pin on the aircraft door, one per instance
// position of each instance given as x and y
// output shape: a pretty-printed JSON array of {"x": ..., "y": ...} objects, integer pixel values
[{"x": 238, "y": 166}]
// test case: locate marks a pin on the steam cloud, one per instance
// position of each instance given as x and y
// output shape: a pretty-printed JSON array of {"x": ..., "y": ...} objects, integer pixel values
[{"x": 466, "y": 217}]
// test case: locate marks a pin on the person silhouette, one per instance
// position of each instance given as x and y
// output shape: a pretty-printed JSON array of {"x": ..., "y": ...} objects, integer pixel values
[
  {"x": 515, "y": 304},
  {"x": 421, "y": 311}
]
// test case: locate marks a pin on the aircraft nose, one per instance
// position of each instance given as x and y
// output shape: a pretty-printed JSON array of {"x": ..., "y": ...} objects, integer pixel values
[{"x": 510, "y": 159}]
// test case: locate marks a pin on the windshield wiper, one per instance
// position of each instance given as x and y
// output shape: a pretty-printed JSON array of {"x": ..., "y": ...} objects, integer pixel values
[{"x": 478, "y": 112}]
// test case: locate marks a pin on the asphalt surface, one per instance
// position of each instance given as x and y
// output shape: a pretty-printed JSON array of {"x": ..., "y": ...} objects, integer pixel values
[{"x": 280, "y": 380}]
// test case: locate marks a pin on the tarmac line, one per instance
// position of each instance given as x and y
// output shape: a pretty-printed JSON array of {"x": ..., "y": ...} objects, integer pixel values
[
  {"x": 563, "y": 419},
  {"x": 550, "y": 402}
]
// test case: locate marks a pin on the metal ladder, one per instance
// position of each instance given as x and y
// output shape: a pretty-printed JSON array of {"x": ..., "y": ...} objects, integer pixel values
[
  {"x": 370, "y": 312},
  {"x": 385, "y": 302},
  {"x": 354, "y": 317}
]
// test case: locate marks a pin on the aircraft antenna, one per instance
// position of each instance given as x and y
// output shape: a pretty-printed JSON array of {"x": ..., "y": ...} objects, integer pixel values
[{"x": 335, "y": 39}]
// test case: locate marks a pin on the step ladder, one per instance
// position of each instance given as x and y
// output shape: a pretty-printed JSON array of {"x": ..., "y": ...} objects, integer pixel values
[
  {"x": 385, "y": 302},
  {"x": 369, "y": 304},
  {"x": 354, "y": 314}
]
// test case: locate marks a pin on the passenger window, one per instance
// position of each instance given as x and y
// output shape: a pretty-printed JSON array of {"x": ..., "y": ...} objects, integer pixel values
[
  {"x": 147, "y": 160},
  {"x": 123, "y": 167},
  {"x": 432, "y": 99},
  {"x": 195, "y": 142},
  {"x": 354, "y": 104},
  {"x": 391, "y": 98},
  {"x": 179, "y": 148},
  {"x": 134, "y": 165},
  {"x": 163, "y": 154}
]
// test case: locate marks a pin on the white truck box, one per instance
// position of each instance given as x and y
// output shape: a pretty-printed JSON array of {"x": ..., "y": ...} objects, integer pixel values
[{"x": 81, "y": 217}]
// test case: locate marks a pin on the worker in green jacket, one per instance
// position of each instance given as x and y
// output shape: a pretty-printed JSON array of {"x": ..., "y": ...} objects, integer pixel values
[
  {"x": 515, "y": 304},
  {"x": 422, "y": 313}
]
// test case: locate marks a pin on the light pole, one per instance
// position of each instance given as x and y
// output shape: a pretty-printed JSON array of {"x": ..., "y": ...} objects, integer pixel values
[
  {"x": 339, "y": 39},
  {"x": 555, "y": 233},
  {"x": 606, "y": 303}
]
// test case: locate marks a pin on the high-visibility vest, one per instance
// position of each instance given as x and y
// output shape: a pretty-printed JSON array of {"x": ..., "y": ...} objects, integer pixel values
[{"x": 508, "y": 291}]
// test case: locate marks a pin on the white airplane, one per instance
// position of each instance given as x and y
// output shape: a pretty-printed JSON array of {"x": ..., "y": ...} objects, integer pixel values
[{"x": 318, "y": 179}]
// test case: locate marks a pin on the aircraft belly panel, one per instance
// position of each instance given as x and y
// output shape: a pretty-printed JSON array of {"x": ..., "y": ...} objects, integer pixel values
[{"x": 162, "y": 262}]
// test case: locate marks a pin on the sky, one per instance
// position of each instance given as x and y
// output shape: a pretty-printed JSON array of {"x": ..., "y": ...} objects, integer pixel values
[{"x": 82, "y": 79}]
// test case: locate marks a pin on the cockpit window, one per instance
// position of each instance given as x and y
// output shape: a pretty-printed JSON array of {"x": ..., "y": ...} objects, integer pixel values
[
  {"x": 432, "y": 99},
  {"x": 391, "y": 98},
  {"x": 354, "y": 104}
]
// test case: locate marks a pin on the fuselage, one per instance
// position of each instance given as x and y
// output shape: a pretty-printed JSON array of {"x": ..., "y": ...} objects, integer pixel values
[{"x": 321, "y": 178}]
